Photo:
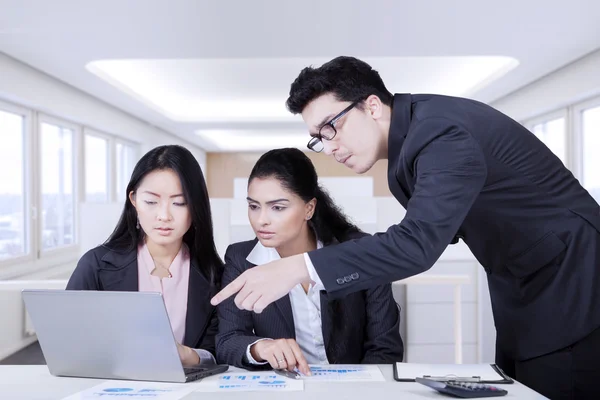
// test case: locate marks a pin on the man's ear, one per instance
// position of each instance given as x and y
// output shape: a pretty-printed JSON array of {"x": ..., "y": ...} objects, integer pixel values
[{"x": 374, "y": 106}]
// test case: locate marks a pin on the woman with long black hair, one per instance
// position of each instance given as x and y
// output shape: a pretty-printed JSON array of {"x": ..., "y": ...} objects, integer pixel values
[{"x": 164, "y": 243}]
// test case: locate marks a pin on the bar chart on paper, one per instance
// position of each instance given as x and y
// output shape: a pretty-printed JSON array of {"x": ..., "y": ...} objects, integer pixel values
[
  {"x": 258, "y": 381},
  {"x": 362, "y": 373},
  {"x": 132, "y": 389}
]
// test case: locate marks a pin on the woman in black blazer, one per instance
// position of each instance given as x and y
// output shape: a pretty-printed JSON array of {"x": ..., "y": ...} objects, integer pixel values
[
  {"x": 291, "y": 214},
  {"x": 164, "y": 242}
]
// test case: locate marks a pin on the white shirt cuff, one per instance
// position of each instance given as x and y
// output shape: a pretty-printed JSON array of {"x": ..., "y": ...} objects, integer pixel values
[
  {"x": 314, "y": 277},
  {"x": 249, "y": 357},
  {"x": 205, "y": 357}
]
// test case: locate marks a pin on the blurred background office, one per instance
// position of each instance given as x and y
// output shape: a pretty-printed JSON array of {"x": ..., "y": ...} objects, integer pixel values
[{"x": 86, "y": 88}]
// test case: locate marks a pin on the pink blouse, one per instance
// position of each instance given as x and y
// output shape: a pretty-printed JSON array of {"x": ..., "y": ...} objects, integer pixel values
[{"x": 174, "y": 289}]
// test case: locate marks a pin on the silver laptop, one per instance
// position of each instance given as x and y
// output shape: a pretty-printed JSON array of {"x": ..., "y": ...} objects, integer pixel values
[{"x": 108, "y": 335}]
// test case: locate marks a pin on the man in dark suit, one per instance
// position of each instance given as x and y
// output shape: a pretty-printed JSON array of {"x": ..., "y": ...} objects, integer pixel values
[{"x": 463, "y": 171}]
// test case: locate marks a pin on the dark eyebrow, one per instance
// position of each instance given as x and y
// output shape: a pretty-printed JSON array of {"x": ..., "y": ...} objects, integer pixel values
[
  {"x": 320, "y": 125},
  {"x": 154, "y": 194},
  {"x": 268, "y": 202},
  {"x": 325, "y": 120}
]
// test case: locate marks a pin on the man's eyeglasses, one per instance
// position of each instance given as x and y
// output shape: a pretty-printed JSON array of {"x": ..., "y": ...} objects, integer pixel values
[{"x": 328, "y": 131}]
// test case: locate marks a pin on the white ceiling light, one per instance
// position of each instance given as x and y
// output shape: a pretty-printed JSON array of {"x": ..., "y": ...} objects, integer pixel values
[
  {"x": 255, "y": 90},
  {"x": 248, "y": 140}
]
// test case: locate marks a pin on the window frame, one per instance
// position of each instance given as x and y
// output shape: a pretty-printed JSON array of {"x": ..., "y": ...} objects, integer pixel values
[
  {"x": 37, "y": 260},
  {"x": 28, "y": 184},
  {"x": 136, "y": 154},
  {"x": 551, "y": 116},
  {"x": 78, "y": 177},
  {"x": 110, "y": 163},
  {"x": 578, "y": 145}
]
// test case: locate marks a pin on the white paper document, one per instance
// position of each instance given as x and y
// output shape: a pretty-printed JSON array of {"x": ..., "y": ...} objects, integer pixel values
[
  {"x": 249, "y": 382},
  {"x": 347, "y": 373},
  {"x": 484, "y": 372},
  {"x": 134, "y": 390}
]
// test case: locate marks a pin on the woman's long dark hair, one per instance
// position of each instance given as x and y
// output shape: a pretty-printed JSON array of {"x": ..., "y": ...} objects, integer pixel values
[
  {"x": 199, "y": 238},
  {"x": 294, "y": 170}
]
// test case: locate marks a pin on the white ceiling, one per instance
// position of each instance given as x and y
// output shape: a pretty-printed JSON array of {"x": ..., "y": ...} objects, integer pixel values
[
  {"x": 218, "y": 73},
  {"x": 254, "y": 89}
]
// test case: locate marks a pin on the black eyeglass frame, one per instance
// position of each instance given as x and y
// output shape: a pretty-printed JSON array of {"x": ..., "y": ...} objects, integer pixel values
[{"x": 314, "y": 141}]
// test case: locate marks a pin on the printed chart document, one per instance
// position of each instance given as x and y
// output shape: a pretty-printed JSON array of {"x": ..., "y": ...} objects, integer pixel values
[
  {"x": 249, "y": 382},
  {"x": 134, "y": 390},
  {"x": 347, "y": 373}
]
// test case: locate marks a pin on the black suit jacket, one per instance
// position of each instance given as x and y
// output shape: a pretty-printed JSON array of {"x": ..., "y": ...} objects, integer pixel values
[
  {"x": 105, "y": 269},
  {"x": 371, "y": 322},
  {"x": 464, "y": 170}
]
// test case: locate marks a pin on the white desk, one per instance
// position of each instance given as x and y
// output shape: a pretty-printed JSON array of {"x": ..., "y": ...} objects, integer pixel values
[
  {"x": 35, "y": 383},
  {"x": 457, "y": 281}
]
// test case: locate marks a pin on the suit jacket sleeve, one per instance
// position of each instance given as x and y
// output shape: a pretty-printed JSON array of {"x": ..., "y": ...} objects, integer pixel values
[
  {"x": 383, "y": 343},
  {"x": 450, "y": 172},
  {"x": 236, "y": 327},
  {"x": 85, "y": 275}
]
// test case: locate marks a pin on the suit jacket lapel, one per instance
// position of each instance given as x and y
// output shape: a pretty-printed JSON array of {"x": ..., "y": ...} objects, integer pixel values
[
  {"x": 326, "y": 321},
  {"x": 198, "y": 308},
  {"x": 394, "y": 185},
  {"x": 399, "y": 126},
  {"x": 284, "y": 305},
  {"x": 121, "y": 271}
]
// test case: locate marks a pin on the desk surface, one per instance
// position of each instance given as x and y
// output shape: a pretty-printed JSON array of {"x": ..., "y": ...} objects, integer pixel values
[{"x": 33, "y": 382}]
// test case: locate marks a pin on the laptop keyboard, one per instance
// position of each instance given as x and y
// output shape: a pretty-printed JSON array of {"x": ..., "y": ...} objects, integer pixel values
[
  {"x": 188, "y": 371},
  {"x": 195, "y": 373}
]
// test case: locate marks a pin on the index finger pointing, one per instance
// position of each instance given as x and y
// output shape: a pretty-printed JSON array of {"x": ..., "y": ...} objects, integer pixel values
[
  {"x": 235, "y": 286},
  {"x": 300, "y": 360}
]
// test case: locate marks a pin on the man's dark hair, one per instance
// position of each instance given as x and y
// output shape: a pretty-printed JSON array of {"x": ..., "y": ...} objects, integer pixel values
[{"x": 347, "y": 78}]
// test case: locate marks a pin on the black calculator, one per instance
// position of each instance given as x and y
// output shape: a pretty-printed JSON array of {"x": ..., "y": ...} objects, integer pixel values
[{"x": 465, "y": 390}]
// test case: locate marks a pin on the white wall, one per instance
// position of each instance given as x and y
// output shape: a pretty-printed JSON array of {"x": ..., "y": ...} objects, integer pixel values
[
  {"x": 96, "y": 222},
  {"x": 575, "y": 82},
  {"x": 28, "y": 87}
]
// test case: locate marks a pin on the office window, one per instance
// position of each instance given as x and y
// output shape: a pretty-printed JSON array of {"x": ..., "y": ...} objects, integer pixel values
[
  {"x": 553, "y": 134},
  {"x": 13, "y": 219},
  {"x": 96, "y": 169},
  {"x": 125, "y": 161},
  {"x": 591, "y": 144},
  {"x": 57, "y": 186}
]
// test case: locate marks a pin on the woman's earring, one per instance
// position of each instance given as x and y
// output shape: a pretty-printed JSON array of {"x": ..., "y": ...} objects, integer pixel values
[{"x": 137, "y": 225}]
